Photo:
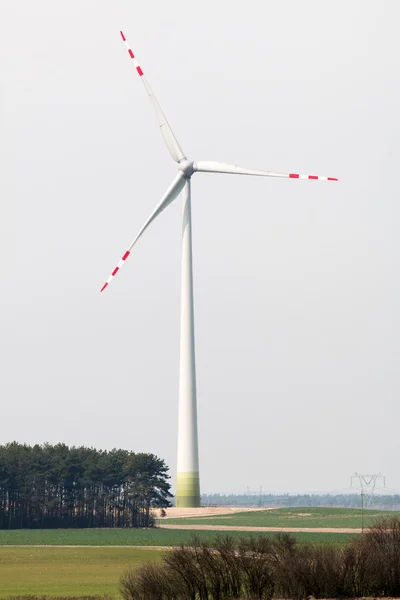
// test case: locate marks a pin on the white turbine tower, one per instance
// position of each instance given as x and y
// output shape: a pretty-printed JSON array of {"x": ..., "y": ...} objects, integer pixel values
[{"x": 188, "y": 482}]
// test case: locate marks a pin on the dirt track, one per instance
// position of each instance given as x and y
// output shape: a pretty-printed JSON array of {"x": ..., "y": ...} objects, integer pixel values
[
  {"x": 260, "y": 529},
  {"x": 174, "y": 512}
]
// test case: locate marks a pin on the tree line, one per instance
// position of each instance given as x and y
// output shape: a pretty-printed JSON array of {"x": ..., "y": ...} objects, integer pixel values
[
  {"x": 55, "y": 486},
  {"x": 379, "y": 501}
]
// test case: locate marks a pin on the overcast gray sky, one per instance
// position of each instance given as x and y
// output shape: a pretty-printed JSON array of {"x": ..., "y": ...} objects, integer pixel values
[{"x": 296, "y": 282}]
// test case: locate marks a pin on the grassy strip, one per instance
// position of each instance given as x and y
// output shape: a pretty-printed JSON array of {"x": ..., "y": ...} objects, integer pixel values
[
  {"x": 137, "y": 537},
  {"x": 295, "y": 517},
  {"x": 67, "y": 571}
]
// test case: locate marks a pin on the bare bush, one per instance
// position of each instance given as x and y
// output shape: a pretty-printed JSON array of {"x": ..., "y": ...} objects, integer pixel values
[
  {"x": 381, "y": 547},
  {"x": 207, "y": 572},
  {"x": 150, "y": 582},
  {"x": 182, "y": 563},
  {"x": 256, "y": 565},
  {"x": 230, "y": 572},
  {"x": 220, "y": 568},
  {"x": 354, "y": 571},
  {"x": 261, "y": 567}
]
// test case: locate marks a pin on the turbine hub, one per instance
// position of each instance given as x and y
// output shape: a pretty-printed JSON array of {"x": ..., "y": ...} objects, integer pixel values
[{"x": 186, "y": 166}]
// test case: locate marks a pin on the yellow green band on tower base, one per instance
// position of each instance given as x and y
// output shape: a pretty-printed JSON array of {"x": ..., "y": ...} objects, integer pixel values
[{"x": 188, "y": 490}]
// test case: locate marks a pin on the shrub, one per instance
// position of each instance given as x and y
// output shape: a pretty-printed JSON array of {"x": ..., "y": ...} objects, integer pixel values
[
  {"x": 380, "y": 547},
  {"x": 255, "y": 563},
  {"x": 150, "y": 582},
  {"x": 308, "y": 570},
  {"x": 259, "y": 567}
]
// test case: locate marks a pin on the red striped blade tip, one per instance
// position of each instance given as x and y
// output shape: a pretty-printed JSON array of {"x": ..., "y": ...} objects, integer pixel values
[
  {"x": 123, "y": 37},
  {"x": 104, "y": 287}
]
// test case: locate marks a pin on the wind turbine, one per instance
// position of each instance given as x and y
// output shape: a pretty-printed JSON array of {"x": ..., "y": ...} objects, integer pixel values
[{"x": 188, "y": 481}]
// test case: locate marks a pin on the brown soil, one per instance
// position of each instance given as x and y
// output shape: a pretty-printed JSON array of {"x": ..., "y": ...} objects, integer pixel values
[{"x": 205, "y": 511}]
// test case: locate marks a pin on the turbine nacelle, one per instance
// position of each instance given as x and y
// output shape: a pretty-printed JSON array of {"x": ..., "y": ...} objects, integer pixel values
[{"x": 186, "y": 167}]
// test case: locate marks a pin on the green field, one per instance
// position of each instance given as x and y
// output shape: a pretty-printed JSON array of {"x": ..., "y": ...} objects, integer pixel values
[
  {"x": 292, "y": 517},
  {"x": 94, "y": 565},
  {"x": 132, "y": 537},
  {"x": 67, "y": 571},
  {"x": 62, "y": 570}
]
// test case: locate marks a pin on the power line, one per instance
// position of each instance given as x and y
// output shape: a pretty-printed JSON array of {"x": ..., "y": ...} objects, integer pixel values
[{"x": 367, "y": 484}]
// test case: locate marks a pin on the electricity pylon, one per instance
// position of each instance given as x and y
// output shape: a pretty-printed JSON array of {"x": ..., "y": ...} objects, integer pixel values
[{"x": 367, "y": 484}]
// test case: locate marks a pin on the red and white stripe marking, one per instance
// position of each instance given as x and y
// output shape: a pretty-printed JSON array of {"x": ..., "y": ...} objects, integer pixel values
[
  {"x": 135, "y": 62},
  {"x": 298, "y": 176},
  {"x": 117, "y": 268}
]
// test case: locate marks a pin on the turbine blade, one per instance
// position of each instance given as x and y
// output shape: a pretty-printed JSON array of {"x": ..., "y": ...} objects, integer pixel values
[
  {"x": 169, "y": 138},
  {"x": 173, "y": 192},
  {"x": 205, "y": 166}
]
